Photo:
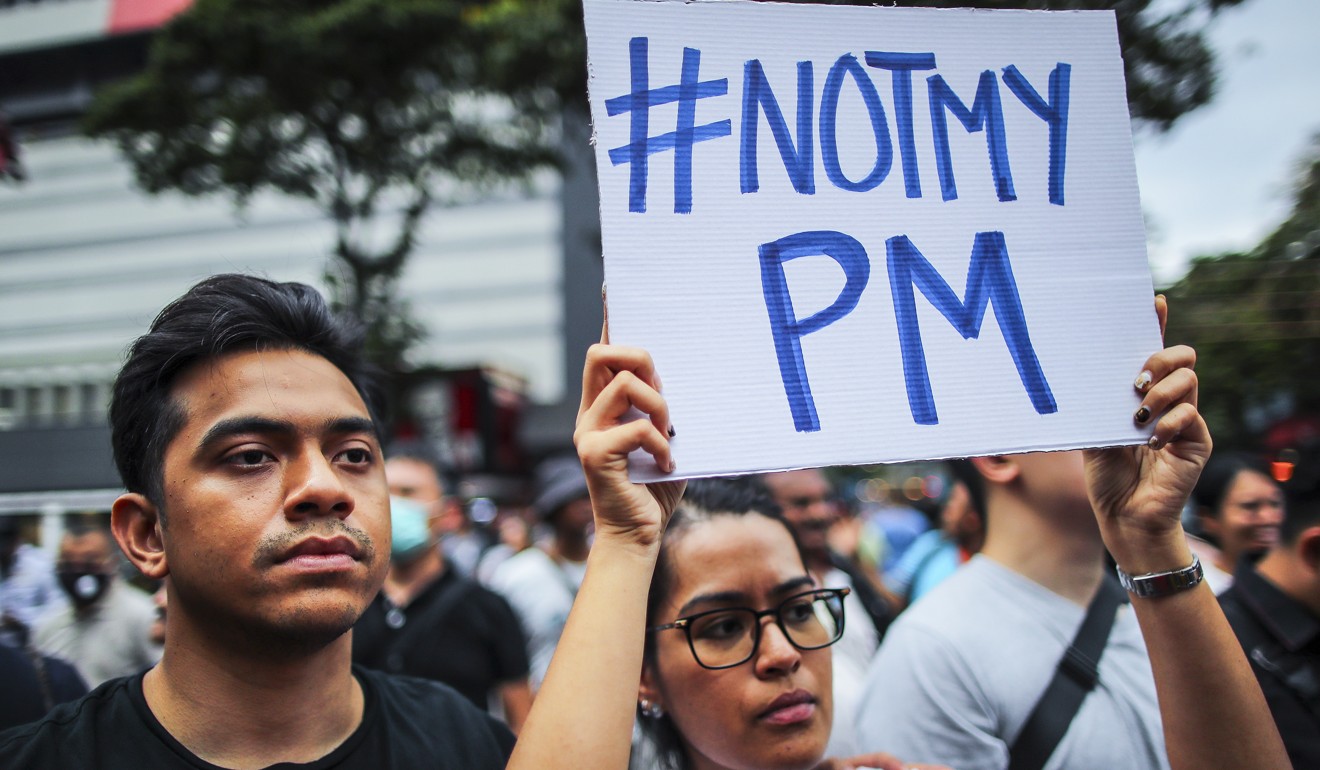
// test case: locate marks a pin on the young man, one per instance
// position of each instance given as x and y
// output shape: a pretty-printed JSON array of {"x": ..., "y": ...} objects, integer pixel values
[
  {"x": 962, "y": 669},
  {"x": 1274, "y": 608},
  {"x": 244, "y": 431},
  {"x": 432, "y": 622}
]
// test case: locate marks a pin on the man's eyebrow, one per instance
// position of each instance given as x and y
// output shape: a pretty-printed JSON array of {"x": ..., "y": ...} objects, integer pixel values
[
  {"x": 351, "y": 425},
  {"x": 236, "y": 426}
]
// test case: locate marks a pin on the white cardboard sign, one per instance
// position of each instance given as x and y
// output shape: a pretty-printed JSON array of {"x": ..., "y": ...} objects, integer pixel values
[{"x": 855, "y": 234}]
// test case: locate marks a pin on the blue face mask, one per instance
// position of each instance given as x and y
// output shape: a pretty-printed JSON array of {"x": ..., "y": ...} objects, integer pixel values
[{"x": 409, "y": 535}]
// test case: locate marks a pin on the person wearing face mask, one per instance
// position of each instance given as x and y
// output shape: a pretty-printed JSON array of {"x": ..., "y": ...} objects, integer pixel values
[
  {"x": 105, "y": 631},
  {"x": 429, "y": 621}
]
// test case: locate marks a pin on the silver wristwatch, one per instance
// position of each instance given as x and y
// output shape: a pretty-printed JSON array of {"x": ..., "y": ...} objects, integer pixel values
[{"x": 1158, "y": 584}]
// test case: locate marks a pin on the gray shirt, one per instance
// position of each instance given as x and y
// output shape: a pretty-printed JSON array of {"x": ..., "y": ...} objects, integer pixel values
[
  {"x": 107, "y": 640},
  {"x": 960, "y": 671}
]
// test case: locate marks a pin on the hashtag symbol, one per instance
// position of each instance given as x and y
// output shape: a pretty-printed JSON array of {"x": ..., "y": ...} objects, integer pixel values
[{"x": 685, "y": 134}]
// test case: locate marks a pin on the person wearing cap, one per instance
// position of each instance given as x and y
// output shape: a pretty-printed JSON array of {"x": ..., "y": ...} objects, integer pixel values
[
  {"x": 541, "y": 582},
  {"x": 429, "y": 621}
]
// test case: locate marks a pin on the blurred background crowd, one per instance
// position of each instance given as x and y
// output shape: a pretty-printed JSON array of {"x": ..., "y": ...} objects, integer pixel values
[{"x": 427, "y": 165}]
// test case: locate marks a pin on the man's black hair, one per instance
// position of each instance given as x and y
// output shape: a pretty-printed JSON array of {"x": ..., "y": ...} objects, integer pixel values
[
  {"x": 962, "y": 469},
  {"x": 1301, "y": 509},
  {"x": 1220, "y": 471},
  {"x": 422, "y": 452},
  {"x": 221, "y": 315}
]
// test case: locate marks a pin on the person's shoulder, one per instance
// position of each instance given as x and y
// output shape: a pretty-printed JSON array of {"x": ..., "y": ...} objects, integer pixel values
[
  {"x": 488, "y": 599},
  {"x": 528, "y": 565},
  {"x": 413, "y": 696},
  {"x": 68, "y": 731},
  {"x": 425, "y": 716}
]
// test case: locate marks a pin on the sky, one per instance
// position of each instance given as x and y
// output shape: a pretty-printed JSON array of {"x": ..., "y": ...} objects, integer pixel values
[{"x": 1221, "y": 179}]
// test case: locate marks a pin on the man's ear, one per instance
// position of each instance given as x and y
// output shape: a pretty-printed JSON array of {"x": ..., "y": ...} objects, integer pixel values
[
  {"x": 135, "y": 521},
  {"x": 997, "y": 469},
  {"x": 1308, "y": 547}
]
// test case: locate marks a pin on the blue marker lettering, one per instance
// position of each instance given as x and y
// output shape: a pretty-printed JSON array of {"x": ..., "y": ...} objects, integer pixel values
[
  {"x": 829, "y": 107},
  {"x": 1054, "y": 113},
  {"x": 680, "y": 140},
  {"x": 985, "y": 113},
  {"x": 798, "y": 162},
  {"x": 989, "y": 279},
  {"x": 901, "y": 66},
  {"x": 786, "y": 329}
]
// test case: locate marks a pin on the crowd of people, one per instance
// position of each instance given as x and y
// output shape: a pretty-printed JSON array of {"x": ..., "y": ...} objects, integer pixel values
[{"x": 325, "y": 602}]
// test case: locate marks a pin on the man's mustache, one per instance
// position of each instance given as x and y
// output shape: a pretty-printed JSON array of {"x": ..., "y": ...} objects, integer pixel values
[{"x": 272, "y": 548}]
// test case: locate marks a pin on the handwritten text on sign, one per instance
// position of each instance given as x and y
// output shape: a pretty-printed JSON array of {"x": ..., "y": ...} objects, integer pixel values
[{"x": 1035, "y": 213}]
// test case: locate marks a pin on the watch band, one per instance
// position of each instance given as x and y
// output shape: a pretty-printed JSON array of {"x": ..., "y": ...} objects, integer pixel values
[{"x": 1157, "y": 584}]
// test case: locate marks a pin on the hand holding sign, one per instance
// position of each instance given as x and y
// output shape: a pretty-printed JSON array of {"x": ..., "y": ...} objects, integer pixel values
[{"x": 616, "y": 383}]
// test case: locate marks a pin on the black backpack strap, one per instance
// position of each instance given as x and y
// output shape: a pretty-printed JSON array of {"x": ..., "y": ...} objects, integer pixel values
[
  {"x": 880, "y": 611},
  {"x": 922, "y": 564},
  {"x": 1077, "y": 674}
]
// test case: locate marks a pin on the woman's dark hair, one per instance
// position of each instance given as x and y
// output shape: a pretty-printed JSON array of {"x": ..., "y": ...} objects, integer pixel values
[
  {"x": 220, "y": 315},
  {"x": 704, "y": 500}
]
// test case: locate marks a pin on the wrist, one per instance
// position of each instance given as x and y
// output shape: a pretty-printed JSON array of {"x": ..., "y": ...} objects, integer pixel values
[
  {"x": 1143, "y": 553},
  {"x": 628, "y": 544}
]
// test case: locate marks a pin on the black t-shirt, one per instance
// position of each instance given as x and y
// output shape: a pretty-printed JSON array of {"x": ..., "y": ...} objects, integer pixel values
[
  {"x": 455, "y": 631},
  {"x": 1281, "y": 638},
  {"x": 406, "y": 723}
]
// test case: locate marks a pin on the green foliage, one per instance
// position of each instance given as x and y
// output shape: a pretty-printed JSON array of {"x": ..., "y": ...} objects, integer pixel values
[
  {"x": 1254, "y": 320},
  {"x": 1168, "y": 62},
  {"x": 367, "y": 108}
]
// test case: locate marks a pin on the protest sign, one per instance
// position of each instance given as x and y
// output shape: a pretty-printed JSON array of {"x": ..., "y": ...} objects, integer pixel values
[{"x": 856, "y": 234}]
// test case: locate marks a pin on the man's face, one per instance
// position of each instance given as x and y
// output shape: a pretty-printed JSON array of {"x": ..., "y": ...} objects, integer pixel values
[
  {"x": 85, "y": 567},
  {"x": 276, "y": 510},
  {"x": 417, "y": 481},
  {"x": 1055, "y": 482},
  {"x": 808, "y": 504}
]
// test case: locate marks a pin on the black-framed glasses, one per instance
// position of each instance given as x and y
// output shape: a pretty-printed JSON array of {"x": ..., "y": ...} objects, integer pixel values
[{"x": 730, "y": 636}]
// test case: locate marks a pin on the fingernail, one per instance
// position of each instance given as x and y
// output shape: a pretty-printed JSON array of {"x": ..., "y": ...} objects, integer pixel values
[
  {"x": 1153, "y": 442},
  {"x": 672, "y": 432},
  {"x": 1143, "y": 380},
  {"x": 673, "y": 466},
  {"x": 1142, "y": 415}
]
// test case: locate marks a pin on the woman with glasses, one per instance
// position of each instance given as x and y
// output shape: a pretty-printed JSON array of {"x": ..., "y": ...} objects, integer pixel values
[
  {"x": 1213, "y": 712},
  {"x": 736, "y": 671}
]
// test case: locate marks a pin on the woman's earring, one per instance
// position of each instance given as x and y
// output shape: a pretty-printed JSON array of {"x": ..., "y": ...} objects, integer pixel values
[{"x": 651, "y": 710}]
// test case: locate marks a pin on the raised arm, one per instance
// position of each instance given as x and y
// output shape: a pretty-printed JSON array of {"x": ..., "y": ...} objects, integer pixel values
[
  {"x": 1213, "y": 711},
  {"x": 583, "y": 715}
]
